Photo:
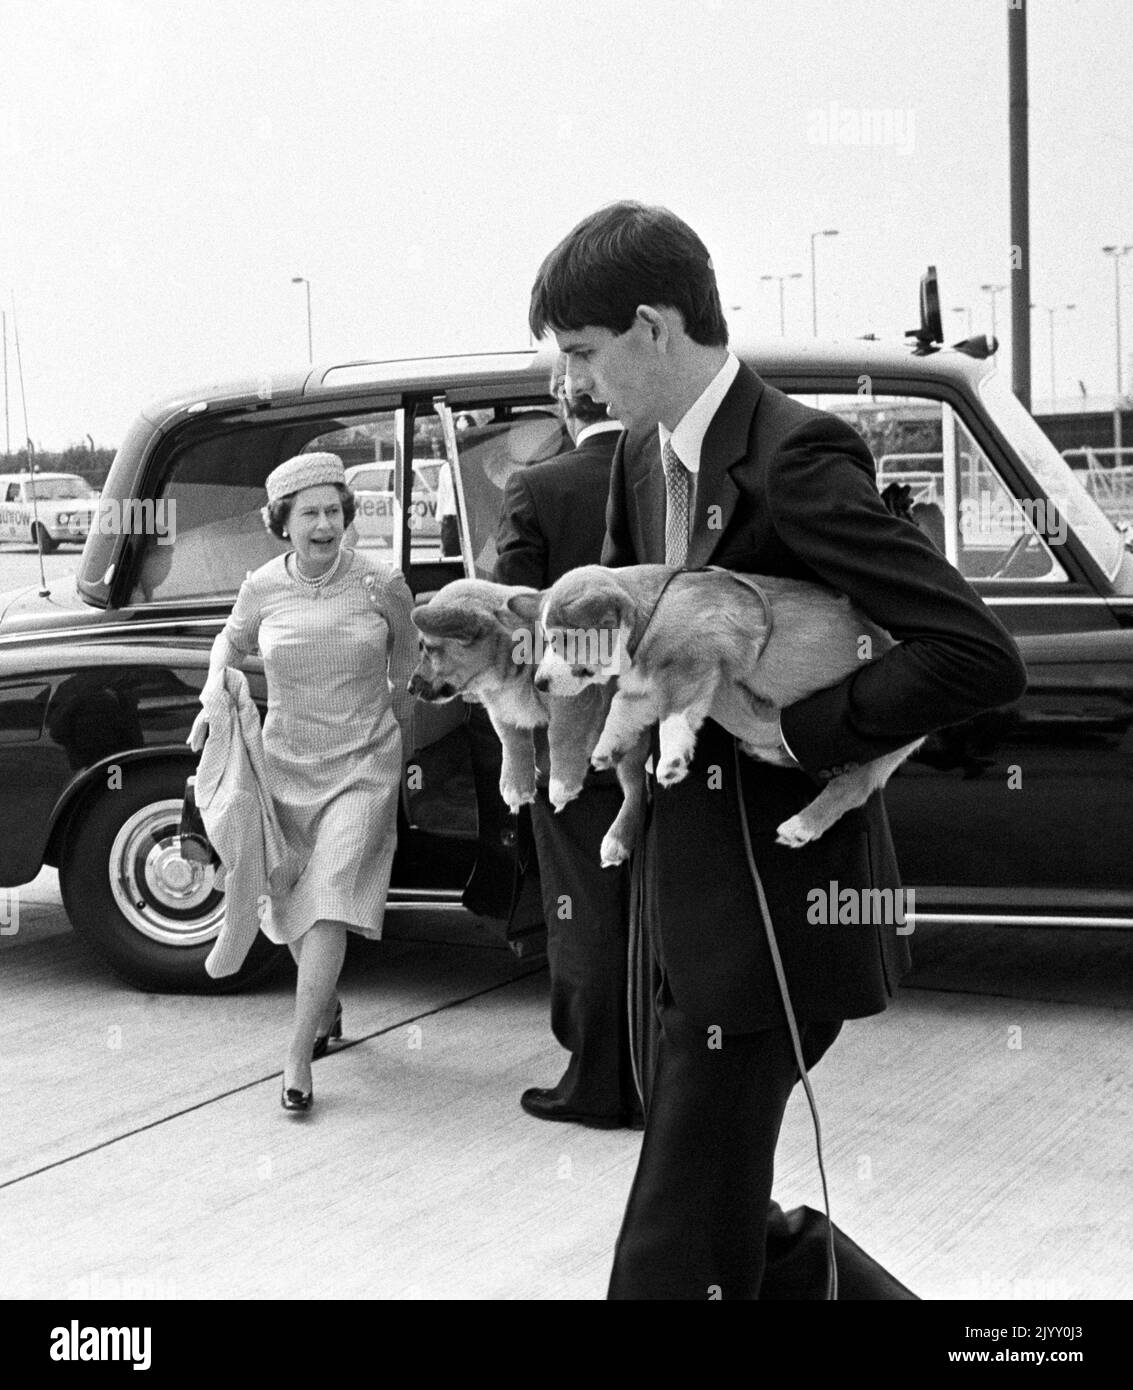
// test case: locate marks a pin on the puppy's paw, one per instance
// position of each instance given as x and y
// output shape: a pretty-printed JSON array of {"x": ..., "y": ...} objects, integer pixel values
[
  {"x": 795, "y": 833},
  {"x": 516, "y": 795},
  {"x": 604, "y": 757},
  {"x": 559, "y": 794},
  {"x": 672, "y": 770},
  {"x": 614, "y": 852}
]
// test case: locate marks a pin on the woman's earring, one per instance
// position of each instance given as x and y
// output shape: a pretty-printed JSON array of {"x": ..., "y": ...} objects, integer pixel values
[{"x": 286, "y": 535}]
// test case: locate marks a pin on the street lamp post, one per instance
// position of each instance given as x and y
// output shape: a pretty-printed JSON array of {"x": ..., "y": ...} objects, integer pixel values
[
  {"x": 831, "y": 231},
  {"x": 7, "y": 425},
  {"x": 1051, "y": 310},
  {"x": 1117, "y": 252},
  {"x": 993, "y": 290},
  {"x": 963, "y": 309},
  {"x": 302, "y": 280},
  {"x": 797, "y": 275}
]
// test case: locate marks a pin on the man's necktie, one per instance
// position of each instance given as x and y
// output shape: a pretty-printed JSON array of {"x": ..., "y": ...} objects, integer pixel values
[{"x": 676, "y": 506}]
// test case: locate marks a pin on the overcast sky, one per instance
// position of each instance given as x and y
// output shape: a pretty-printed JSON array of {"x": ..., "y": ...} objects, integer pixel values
[{"x": 166, "y": 168}]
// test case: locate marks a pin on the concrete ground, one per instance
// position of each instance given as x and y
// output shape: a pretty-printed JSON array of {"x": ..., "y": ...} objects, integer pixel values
[{"x": 976, "y": 1136}]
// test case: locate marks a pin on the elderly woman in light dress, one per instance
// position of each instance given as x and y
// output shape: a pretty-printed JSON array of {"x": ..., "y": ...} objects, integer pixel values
[{"x": 333, "y": 627}]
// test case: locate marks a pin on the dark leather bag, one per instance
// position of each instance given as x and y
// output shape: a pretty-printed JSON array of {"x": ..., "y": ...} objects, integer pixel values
[{"x": 194, "y": 837}]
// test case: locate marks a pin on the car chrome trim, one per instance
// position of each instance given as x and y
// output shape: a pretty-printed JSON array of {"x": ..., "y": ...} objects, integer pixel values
[
  {"x": 1013, "y": 919},
  {"x": 417, "y": 897},
  {"x": 1051, "y": 599},
  {"x": 136, "y": 629}
]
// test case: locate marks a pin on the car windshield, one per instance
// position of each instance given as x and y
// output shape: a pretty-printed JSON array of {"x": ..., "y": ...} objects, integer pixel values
[
  {"x": 372, "y": 480},
  {"x": 1055, "y": 475},
  {"x": 59, "y": 489}
]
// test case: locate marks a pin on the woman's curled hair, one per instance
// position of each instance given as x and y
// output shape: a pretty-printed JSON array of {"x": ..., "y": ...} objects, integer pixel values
[{"x": 276, "y": 515}]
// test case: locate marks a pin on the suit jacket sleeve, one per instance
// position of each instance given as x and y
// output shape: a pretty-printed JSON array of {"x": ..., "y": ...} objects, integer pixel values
[
  {"x": 617, "y": 548},
  {"x": 521, "y": 546},
  {"x": 954, "y": 659}
]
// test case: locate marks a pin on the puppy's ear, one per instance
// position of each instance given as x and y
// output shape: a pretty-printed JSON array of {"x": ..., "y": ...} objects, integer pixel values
[
  {"x": 455, "y": 624},
  {"x": 525, "y": 605}
]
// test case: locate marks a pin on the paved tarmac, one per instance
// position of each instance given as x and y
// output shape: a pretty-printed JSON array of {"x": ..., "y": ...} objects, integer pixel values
[
  {"x": 976, "y": 1135},
  {"x": 19, "y": 565}
]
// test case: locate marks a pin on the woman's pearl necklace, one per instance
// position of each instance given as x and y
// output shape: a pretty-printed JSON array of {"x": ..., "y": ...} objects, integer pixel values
[{"x": 320, "y": 580}]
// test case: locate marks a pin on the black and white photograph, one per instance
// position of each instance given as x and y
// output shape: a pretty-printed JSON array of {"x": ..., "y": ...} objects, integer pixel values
[{"x": 566, "y": 664}]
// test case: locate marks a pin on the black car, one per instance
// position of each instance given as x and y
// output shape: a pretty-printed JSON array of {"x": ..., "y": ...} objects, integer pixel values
[{"x": 1018, "y": 817}]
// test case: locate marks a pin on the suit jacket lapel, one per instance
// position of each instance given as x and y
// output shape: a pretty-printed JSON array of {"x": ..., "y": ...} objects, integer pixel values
[
  {"x": 649, "y": 500},
  {"x": 725, "y": 445}
]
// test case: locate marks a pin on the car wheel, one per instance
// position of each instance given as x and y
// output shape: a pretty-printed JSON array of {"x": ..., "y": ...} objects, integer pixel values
[
  {"x": 41, "y": 538},
  {"x": 149, "y": 913}
]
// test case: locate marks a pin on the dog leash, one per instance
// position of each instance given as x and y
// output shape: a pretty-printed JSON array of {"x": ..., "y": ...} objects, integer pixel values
[
  {"x": 792, "y": 1023},
  {"x": 630, "y": 649}
]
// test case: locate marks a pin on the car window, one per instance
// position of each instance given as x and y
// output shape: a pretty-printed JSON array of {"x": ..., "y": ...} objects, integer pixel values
[
  {"x": 216, "y": 486},
  {"x": 371, "y": 480},
  {"x": 932, "y": 470},
  {"x": 491, "y": 445},
  {"x": 1091, "y": 525},
  {"x": 56, "y": 489},
  {"x": 13, "y": 493}
]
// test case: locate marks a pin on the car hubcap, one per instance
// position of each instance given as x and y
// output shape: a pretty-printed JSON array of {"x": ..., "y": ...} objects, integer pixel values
[{"x": 168, "y": 898}]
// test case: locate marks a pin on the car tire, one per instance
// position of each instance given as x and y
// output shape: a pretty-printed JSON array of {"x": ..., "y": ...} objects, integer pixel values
[
  {"x": 149, "y": 914},
  {"x": 43, "y": 540}
]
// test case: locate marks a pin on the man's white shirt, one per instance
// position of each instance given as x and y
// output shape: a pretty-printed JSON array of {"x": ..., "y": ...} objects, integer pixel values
[
  {"x": 598, "y": 427},
  {"x": 687, "y": 439}
]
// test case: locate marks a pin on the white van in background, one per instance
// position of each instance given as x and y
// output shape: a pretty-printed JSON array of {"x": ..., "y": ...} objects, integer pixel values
[
  {"x": 372, "y": 485},
  {"x": 46, "y": 509}
]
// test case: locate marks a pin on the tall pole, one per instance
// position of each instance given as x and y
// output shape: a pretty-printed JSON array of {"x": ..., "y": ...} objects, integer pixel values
[
  {"x": 1117, "y": 252},
  {"x": 992, "y": 291},
  {"x": 1020, "y": 205},
  {"x": 796, "y": 275},
  {"x": 830, "y": 231},
  {"x": 302, "y": 280},
  {"x": 1051, "y": 310},
  {"x": 7, "y": 421}
]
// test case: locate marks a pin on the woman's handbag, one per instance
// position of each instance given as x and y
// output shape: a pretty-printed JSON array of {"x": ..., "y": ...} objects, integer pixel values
[{"x": 194, "y": 837}]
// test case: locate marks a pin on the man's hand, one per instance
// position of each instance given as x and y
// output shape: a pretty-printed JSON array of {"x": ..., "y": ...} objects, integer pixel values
[{"x": 754, "y": 722}]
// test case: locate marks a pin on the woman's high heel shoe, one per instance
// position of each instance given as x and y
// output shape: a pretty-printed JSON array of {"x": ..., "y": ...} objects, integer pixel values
[
  {"x": 322, "y": 1040},
  {"x": 294, "y": 1099}
]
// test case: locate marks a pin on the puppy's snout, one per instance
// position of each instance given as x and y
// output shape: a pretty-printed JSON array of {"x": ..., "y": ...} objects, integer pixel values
[{"x": 542, "y": 683}]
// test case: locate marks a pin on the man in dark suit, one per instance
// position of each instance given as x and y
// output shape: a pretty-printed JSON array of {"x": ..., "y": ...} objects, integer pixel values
[
  {"x": 743, "y": 477},
  {"x": 554, "y": 519}
]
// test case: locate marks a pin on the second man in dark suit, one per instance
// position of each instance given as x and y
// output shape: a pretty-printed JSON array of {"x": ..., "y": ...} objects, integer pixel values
[{"x": 553, "y": 520}]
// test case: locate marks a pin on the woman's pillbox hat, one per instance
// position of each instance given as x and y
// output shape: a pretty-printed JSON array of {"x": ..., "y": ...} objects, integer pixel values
[{"x": 304, "y": 470}]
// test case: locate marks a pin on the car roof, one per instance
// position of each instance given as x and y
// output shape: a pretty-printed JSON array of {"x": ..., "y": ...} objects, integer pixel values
[
  {"x": 531, "y": 367},
  {"x": 42, "y": 476}
]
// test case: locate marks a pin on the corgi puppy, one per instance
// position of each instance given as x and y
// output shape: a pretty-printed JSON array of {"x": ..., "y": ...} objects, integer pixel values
[
  {"x": 475, "y": 645},
  {"x": 687, "y": 645}
]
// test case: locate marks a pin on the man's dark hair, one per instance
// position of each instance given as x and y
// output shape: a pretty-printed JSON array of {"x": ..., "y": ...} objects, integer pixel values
[
  {"x": 621, "y": 256},
  {"x": 579, "y": 406}
]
